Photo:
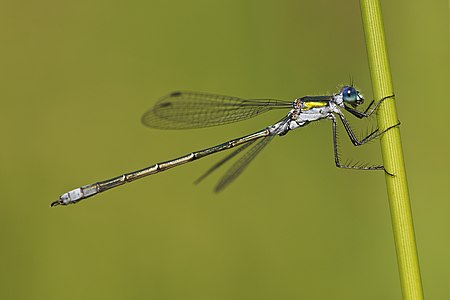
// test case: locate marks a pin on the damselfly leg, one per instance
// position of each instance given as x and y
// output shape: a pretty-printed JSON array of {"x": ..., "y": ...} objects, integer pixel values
[
  {"x": 373, "y": 135},
  {"x": 368, "y": 111}
]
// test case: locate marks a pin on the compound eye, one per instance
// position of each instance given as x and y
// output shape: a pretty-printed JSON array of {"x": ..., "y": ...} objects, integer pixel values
[{"x": 349, "y": 94}]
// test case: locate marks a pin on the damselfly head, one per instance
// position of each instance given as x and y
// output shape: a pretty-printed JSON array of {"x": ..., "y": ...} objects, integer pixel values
[{"x": 352, "y": 96}]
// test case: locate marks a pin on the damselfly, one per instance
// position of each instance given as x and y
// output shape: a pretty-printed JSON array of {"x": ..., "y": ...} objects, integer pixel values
[{"x": 181, "y": 110}]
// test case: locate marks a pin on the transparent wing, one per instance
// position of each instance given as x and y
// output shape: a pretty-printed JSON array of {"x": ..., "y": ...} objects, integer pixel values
[
  {"x": 184, "y": 110},
  {"x": 224, "y": 160},
  {"x": 239, "y": 166}
]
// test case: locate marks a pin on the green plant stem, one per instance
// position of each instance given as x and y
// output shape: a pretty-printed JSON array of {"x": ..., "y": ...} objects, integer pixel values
[{"x": 397, "y": 186}]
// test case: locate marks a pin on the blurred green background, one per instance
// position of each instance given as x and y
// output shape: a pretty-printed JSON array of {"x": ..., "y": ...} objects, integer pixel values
[{"x": 75, "y": 77}]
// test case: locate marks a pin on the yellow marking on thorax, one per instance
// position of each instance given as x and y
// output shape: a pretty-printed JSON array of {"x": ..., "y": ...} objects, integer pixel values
[{"x": 313, "y": 104}]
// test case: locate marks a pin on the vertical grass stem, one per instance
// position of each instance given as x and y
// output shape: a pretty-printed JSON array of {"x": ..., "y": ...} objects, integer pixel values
[{"x": 397, "y": 186}]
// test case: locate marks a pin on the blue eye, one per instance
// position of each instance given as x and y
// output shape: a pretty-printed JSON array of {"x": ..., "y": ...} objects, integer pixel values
[{"x": 349, "y": 94}]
